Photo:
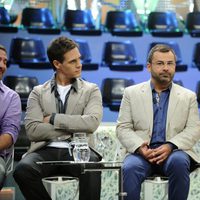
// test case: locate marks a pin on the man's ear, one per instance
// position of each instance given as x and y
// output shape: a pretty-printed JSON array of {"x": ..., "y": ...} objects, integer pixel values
[
  {"x": 56, "y": 64},
  {"x": 149, "y": 66}
]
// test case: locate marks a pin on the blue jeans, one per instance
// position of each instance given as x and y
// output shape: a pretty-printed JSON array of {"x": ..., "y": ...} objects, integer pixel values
[{"x": 177, "y": 168}]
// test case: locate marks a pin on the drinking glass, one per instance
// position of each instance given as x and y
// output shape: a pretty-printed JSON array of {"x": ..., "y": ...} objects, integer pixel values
[{"x": 81, "y": 150}]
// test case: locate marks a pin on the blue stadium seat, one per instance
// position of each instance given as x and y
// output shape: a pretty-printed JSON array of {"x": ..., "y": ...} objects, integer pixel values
[
  {"x": 23, "y": 85},
  {"x": 39, "y": 21},
  {"x": 86, "y": 57},
  {"x": 198, "y": 92},
  {"x": 120, "y": 56},
  {"x": 80, "y": 22},
  {"x": 193, "y": 24},
  {"x": 196, "y": 56},
  {"x": 5, "y": 26},
  {"x": 123, "y": 23},
  {"x": 180, "y": 67},
  {"x": 179, "y": 82},
  {"x": 164, "y": 24},
  {"x": 112, "y": 91},
  {"x": 28, "y": 53}
]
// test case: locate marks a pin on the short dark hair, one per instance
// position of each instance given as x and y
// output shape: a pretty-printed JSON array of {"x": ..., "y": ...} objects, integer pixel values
[
  {"x": 160, "y": 48},
  {"x": 58, "y": 47},
  {"x": 3, "y": 48}
]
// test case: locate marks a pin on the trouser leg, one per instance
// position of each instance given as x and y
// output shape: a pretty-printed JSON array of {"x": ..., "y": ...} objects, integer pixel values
[
  {"x": 28, "y": 176},
  {"x": 89, "y": 182},
  {"x": 177, "y": 168},
  {"x": 135, "y": 170}
]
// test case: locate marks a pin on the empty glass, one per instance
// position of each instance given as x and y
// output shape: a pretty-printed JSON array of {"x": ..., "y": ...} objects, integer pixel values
[{"x": 81, "y": 150}]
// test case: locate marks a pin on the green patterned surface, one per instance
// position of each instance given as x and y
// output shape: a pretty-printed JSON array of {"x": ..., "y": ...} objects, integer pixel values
[{"x": 107, "y": 144}]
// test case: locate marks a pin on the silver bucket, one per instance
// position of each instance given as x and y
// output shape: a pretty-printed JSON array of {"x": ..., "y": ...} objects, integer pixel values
[{"x": 62, "y": 187}]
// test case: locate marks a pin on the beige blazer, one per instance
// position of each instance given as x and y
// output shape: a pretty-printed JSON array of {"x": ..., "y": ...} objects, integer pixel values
[
  {"x": 83, "y": 113},
  {"x": 135, "y": 121}
]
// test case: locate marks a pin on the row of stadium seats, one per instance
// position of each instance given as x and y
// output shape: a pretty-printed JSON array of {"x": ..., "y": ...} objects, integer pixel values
[
  {"x": 121, "y": 56},
  {"x": 120, "y": 23},
  {"x": 112, "y": 89}
]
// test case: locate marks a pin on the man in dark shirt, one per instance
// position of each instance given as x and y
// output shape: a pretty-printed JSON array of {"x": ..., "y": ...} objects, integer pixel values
[{"x": 159, "y": 124}]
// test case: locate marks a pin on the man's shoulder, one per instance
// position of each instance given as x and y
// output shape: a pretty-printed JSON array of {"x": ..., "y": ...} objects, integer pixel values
[
  {"x": 45, "y": 85},
  {"x": 138, "y": 86},
  {"x": 9, "y": 91},
  {"x": 182, "y": 89},
  {"x": 86, "y": 84}
]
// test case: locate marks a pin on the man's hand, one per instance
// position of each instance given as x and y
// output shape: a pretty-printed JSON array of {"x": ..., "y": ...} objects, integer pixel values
[
  {"x": 147, "y": 153},
  {"x": 46, "y": 119},
  {"x": 161, "y": 153}
]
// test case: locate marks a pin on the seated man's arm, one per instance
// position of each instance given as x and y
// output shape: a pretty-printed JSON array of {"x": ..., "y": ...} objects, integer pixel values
[
  {"x": 86, "y": 117},
  {"x": 10, "y": 123},
  {"x": 130, "y": 135},
  {"x": 190, "y": 134}
]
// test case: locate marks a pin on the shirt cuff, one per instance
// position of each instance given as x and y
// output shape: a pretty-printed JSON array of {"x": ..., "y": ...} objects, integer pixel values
[
  {"x": 173, "y": 146},
  {"x": 51, "y": 120}
]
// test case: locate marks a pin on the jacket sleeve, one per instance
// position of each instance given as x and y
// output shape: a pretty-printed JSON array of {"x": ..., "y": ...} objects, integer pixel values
[
  {"x": 87, "y": 116},
  {"x": 190, "y": 134},
  {"x": 87, "y": 119},
  {"x": 36, "y": 129},
  {"x": 129, "y": 136}
]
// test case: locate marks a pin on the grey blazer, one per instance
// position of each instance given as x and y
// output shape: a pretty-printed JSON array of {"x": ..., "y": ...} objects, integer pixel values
[
  {"x": 135, "y": 121},
  {"x": 83, "y": 113}
]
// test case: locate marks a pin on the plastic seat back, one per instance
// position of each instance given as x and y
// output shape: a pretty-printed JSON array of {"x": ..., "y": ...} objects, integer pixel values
[
  {"x": 164, "y": 24},
  {"x": 193, "y": 23},
  {"x": 37, "y": 17},
  {"x": 4, "y": 16},
  {"x": 112, "y": 91},
  {"x": 79, "y": 19},
  {"x": 86, "y": 56},
  {"x": 123, "y": 23},
  {"x": 80, "y": 22},
  {"x": 120, "y": 56},
  {"x": 28, "y": 53},
  {"x": 39, "y": 21},
  {"x": 5, "y": 22},
  {"x": 196, "y": 55},
  {"x": 22, "y": 85}
]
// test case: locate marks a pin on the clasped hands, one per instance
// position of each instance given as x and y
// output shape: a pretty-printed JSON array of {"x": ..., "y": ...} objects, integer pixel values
[{"x": 157, "y": 155}]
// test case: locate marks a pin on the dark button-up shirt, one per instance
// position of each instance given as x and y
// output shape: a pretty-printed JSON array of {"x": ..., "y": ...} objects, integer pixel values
[
  {"x": 10, "y": 112},
  {"x": 160, "y": 107}
]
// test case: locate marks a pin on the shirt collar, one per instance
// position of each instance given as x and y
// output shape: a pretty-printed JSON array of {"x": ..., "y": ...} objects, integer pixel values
[
  {"x": 54, "y": 84},
  {"x": 153, "y": 88}
]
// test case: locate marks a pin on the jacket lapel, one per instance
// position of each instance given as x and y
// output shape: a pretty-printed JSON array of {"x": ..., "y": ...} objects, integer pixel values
[
  {"x": 49, "y": 99},
  {"x": 173, "y": 101},
  {"x": 147, "y": 102},
  {"x": 74, "y": 98}
]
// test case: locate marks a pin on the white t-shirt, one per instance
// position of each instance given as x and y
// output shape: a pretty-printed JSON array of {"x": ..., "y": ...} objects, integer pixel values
[{"x": 62, "y": 90}]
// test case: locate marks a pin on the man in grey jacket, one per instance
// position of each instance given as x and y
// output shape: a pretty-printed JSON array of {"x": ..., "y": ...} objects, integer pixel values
[{"x": 64, "y": 105}]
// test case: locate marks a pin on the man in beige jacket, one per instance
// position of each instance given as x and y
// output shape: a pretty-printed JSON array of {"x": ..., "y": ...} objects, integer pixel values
[
  {"x": 158, "y": 125},
  {"x": 56, "y": 110}
]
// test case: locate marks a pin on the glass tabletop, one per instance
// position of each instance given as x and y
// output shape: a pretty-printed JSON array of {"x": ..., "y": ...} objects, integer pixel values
[{"x": 101, "y": 164}]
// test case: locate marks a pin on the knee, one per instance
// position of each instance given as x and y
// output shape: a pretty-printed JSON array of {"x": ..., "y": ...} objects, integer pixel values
[
  {"x": 179, "y": 161},
  {"x": 21, "y": 171}
]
